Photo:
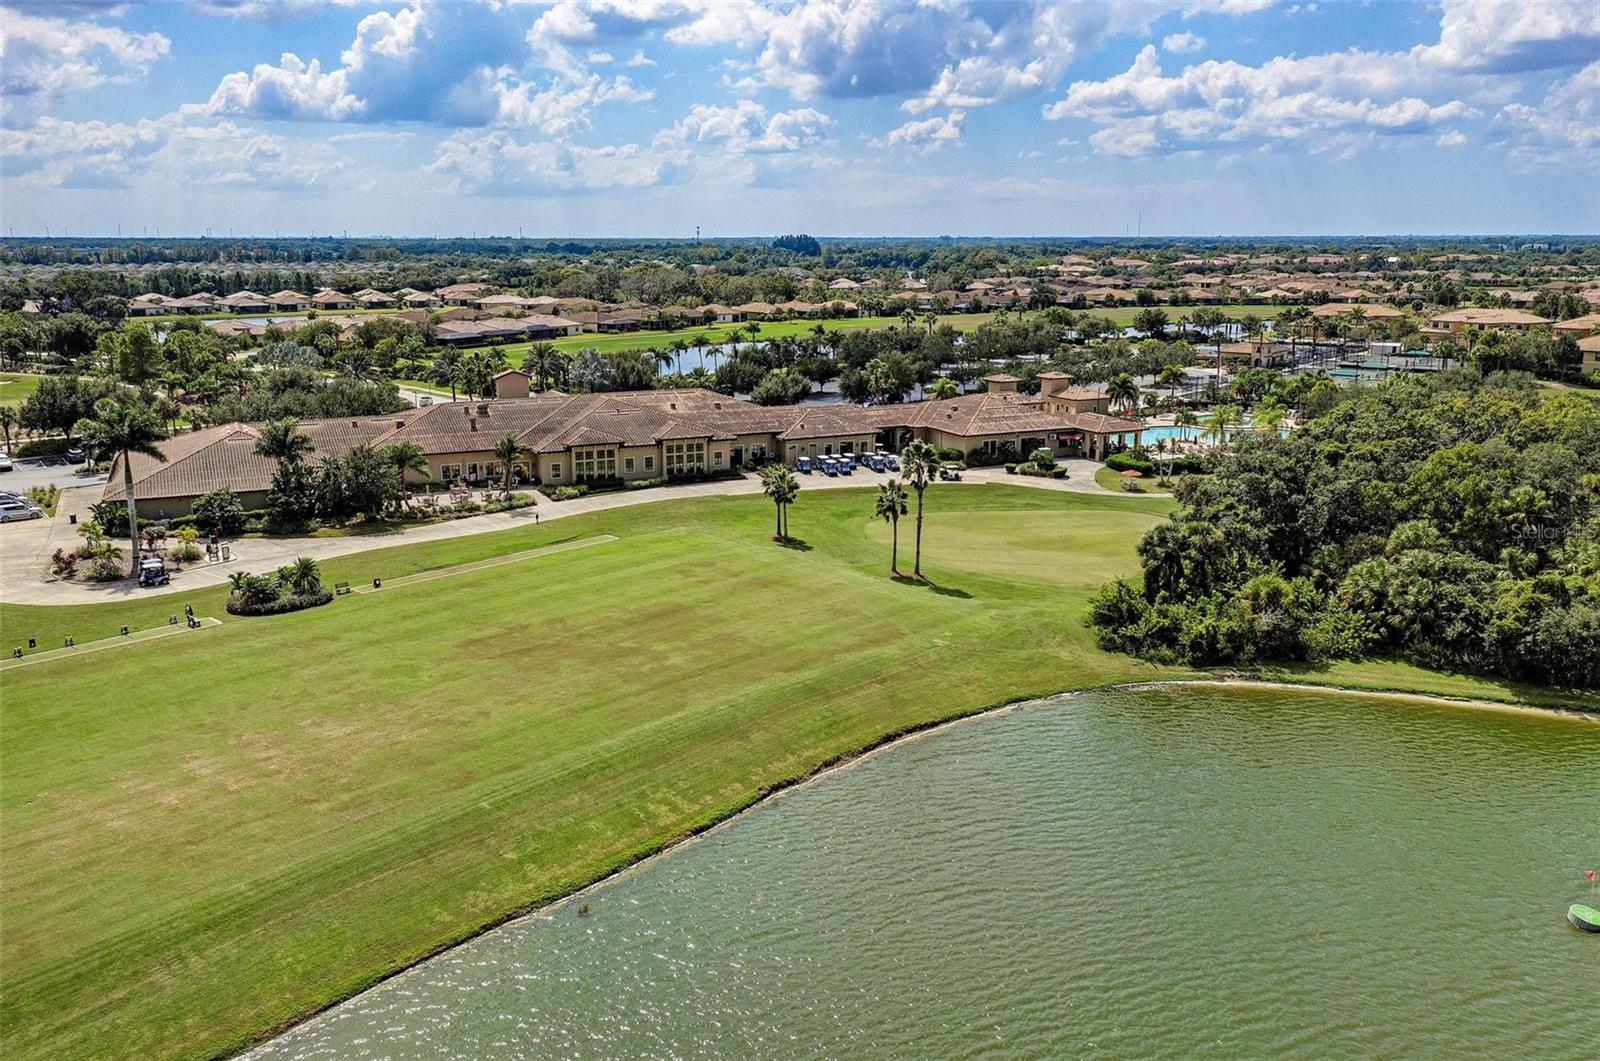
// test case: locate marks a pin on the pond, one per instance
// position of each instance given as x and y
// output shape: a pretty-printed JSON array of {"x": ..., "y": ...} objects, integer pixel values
[{"x": 1155, "y": 872}]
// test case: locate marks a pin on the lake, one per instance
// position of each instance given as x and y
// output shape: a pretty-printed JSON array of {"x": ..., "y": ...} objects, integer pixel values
[{"x": 1134, "y": 873}]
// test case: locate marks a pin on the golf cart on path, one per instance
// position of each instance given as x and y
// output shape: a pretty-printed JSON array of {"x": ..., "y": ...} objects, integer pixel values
[{"x": 153, "y": 572}]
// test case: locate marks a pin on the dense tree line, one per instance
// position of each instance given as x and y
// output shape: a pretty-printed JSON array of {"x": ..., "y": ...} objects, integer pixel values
[
  {"x": 665, "y": 271},
  {"x": 1453, "y": 522}
]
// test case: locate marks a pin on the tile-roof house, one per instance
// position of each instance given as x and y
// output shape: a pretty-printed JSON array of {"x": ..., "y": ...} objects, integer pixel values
[
  {"x": 373, "y": 299},
  {"x": 244, "y": 302},
  {"x": 463, "y": 294},
  {"x": 328, "y": 298},
  {"x": 288, "y": 300}
]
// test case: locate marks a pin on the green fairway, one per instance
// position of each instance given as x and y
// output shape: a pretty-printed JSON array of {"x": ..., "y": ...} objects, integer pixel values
[
  {"x": 15, "y": 387},
  {"x": 721, "y": 333},
  {"x": 205, "y": 836}
]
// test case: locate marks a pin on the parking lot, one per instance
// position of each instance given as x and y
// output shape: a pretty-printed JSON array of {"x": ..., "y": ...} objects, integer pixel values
[{"x": 43, "y": 471}]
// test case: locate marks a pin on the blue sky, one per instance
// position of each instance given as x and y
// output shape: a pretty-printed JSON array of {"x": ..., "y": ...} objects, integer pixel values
[{"x": 649, "y": 117}]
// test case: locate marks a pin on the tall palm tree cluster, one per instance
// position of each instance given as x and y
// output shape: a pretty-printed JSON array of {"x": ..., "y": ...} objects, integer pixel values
[{"x": 122, "y": 428}]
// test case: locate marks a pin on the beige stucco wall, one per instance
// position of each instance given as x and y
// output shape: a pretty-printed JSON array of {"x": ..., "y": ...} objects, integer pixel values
[
  {"x": 173, "y": 507},
  {"x": 831, "y": 444}
]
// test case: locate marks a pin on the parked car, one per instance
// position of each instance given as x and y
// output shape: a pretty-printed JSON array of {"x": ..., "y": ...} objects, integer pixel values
[
  {"x": 6, "y": 463},
  {"x": 15, "y": 511},
  {"x": 76, "y": 456}
]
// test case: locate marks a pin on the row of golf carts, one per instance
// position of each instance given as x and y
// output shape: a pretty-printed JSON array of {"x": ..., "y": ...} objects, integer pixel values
[{"x": 845, "y": 463}]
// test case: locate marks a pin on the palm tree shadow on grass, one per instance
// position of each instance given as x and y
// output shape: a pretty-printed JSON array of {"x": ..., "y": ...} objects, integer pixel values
[
  {"x": 931, "y": 586},
  {"x": 799, "y": 545}
]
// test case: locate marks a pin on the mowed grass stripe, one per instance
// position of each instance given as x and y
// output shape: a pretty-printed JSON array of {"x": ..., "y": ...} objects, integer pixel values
[
  {"x": 134, "y": 637},
  {"x": 479, "y": 565},
  {"x": 203, "y": 842},
  {"x": 360, "y": 860}
]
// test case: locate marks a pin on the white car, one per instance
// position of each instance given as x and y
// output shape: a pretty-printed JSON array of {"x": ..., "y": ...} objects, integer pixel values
[
  {"x": 6, "y": 464},
  {"x": 12, "y": 511}
]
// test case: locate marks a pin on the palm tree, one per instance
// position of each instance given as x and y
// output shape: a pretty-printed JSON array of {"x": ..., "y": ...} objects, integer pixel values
[
  {"x": 406, "y": 457},
  {"x": 779, "y": 483},
  {"x": 1170, "y": 377},
  {"x": 537, "y": 363},
  {"x": 284, "y": 442},
  {"x": 506, "y": 451},
  {"x": 478, "y": 370},
  {"x": 1185, "y": 418},
  {"x": 356, "y": 364},
  {"x": 304, "y": 576},
  {"x": 678, "y": 346},
  {"x": 891, "y": 505},
  {"x": 172, "y": 381},
  {"x": 8, "y": 423},
  {"x": 1122, "y": 391},
  {"x": 919, "y": 464},
  {"x": 1161, "y": 453},
  {"x": 446, "y": 371},
  {"x": 1220, "y": 422},
  {"x": 123, "y": 428},
  {"x": 944, "y": 387},
  {"x": 1269, "y": 415}
]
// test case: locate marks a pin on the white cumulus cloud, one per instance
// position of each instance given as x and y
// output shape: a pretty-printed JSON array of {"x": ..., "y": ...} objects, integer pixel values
[
  {"x": 50, "y": 56},
  {"x": 1144, "y": 111},
  {"x": 927, "y": 135},
  {"x": 747, "y": 126}
]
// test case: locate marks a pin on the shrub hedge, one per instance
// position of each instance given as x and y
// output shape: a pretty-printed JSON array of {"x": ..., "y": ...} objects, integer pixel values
[{"x": 281, "y": 605}]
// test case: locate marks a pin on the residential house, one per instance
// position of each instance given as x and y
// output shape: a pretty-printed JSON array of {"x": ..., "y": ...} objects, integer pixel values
[
  {"x": 463, "y": 294},
  {"x": 411, "y": 298},
  {"x": 288, "y": 301},
  {"x": 1458, "y": 321},
  {"x": 1578, "y": 327},
  {"x": 148, "y": 305},
  {"x": 373, "y": 299},
  {"x": 1589, "y": 347},
  {"x": 327, "y": 298},
  {"x": 244, "y": 302}
]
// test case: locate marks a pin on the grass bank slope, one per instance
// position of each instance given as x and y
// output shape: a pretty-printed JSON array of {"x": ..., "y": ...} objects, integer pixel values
[{"x": 207, "y": 835}]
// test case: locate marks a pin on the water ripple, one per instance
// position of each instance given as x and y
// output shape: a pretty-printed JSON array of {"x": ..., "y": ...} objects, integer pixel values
[{"x": 1179, "y": 871}]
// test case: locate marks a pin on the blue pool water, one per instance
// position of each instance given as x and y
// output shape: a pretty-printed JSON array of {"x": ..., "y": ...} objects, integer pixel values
[{"x": 1171, "y": 433}]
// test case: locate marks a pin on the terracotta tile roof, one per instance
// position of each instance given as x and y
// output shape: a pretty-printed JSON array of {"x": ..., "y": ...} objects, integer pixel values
[
  {"x": 1585, "y": 324},
  {"x": 1489, "y": 316}
]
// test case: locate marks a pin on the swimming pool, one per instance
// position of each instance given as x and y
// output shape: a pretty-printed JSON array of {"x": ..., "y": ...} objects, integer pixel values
[
  {"x": 1171, "y": 433},
  {"x": 1174, "y": 433}
]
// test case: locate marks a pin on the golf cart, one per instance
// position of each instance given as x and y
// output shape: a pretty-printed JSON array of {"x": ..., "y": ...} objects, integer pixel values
[
  {"x": 153, "y": 572},
  {"x": 949, "y": 473}
]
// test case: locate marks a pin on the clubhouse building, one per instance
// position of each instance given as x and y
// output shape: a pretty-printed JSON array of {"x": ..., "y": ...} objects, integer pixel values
[{"x": 666, "y": 434}]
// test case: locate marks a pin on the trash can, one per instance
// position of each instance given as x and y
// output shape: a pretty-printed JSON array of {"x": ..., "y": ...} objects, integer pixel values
[
  {"x": 73, "y": 519},
  {"x": 227, "y": 554}
]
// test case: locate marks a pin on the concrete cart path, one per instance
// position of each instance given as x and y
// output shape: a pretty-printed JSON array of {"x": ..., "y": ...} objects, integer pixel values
[{"x": 24, "y": 557}]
